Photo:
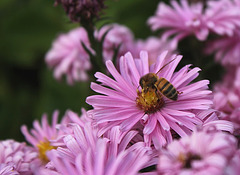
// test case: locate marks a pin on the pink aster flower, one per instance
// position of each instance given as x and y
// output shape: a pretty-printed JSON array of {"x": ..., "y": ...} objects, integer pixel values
[
  {"x": 125, "y": 101},
  {"x": 85, "y": 153},
  {"x": 223, "y": 16},
  {"x": 204, "y": 152},
  {"x": 42, "y": 135},
  {"x": 118, "y": 35},
  {"x": 226, "y": 49},
  {"x": 180, "y": 20},
  {"x": 16, "y": 158},
  {"x": 68, "y": 57}
]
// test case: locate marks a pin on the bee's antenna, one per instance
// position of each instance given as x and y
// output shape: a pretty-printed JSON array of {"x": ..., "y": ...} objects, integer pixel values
[{"x": 166, "y": 64}]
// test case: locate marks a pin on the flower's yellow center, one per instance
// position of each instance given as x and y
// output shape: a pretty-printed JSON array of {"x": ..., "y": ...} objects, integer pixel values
[
  {"x": 186, "y": 159},
  {"x": 43, "y": 147},
  {"x": 149, "y": 100}
]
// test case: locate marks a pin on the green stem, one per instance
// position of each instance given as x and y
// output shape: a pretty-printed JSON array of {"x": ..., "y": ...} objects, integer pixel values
[{"x": 97, "y": 58}]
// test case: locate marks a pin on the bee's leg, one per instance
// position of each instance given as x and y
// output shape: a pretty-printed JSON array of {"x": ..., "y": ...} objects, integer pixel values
[
  {"x": 158, "y": 93},
  {"x": 179, "y": 92}
]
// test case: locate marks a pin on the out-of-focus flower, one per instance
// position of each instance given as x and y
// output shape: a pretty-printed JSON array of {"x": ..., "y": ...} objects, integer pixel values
[
  {"x": 180, "y": 20},
  {"x": 226, "y": 49},
  {"x": 118, "y": 35},
  {"x": 227, "y": 98},
  {"x": 204, "y": 152},
  {"x": 183, "y": 19},
  {"x": 223, "y": 16},
  {"x": 42, "y": 135},
  {"x": 85, "y": 153},
  {"x": 125, "y": 103},
  {"x": 16, "y": 158},
  {"x": 155, "y": 46},
  {"x": 68, "y": 57},
  {"x": 81, "y": 10}
]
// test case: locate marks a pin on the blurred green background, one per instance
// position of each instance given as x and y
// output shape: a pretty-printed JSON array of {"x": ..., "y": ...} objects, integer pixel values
[{"x": 27, "y": 86}]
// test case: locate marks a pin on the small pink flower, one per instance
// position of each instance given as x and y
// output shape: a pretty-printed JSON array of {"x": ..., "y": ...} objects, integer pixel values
[
  {"x": 204, "y": 152},
  {"x": 16, "y": 158},
  {"x": 118, "y": 35},
  {"x": 42, "y": 135},
  {"x": 85, "y": 153},
  {"x": 180, "y": 20},
  {"x": 123, "y": 102},
  {"x": 68, "y": 57}
]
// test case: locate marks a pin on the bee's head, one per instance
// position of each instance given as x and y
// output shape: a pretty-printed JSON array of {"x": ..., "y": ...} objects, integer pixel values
[{"x": 148, "y": 80}]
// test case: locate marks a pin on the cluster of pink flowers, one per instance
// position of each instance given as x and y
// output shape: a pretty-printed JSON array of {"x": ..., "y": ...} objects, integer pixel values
[
  {"x": 75, "y": 147},
  {"x": 17, "y": 158},
  {"x": 204, "y": 152},
  {"x": 182, "y": 19},
  {"x": 68, "y": 57},
  {"x": 149, "y": 115},
  {"x": 128, "y": 131}
]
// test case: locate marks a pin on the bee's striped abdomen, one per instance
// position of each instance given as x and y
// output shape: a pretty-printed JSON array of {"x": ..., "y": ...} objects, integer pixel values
[{"x": 167, "y": 89}]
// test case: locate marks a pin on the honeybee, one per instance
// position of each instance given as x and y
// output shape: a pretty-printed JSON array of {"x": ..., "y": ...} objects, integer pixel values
[{"x": 162, "y": 86}]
